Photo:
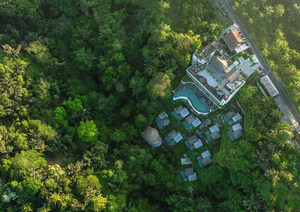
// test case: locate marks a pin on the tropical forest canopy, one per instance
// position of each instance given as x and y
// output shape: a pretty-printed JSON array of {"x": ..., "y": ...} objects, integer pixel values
[{"x": 81, "y": 79}]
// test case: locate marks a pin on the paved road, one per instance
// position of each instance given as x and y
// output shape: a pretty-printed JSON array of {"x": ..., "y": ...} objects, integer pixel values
[{"x": 283, "y": 95}]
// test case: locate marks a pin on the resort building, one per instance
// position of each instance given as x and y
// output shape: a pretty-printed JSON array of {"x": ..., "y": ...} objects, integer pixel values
[
  {"x": 162, "y": 120},
  {"x": 232, "y": 117},
  {"x": 235, "y": 132},
  {"x": 173, "y": 137},
  {"x": 193, "y": 143},
  {"x": 180, "y": 112},
  {"x": 213, "y": 133},
  {"x": 191, "y": 122},
  {"x": 188, "y": 174},
  {"x": 152, "y": 137},
  {"x": 216, "y": 74},
  {"x": 204, "y": 159},
  {"x": 216, "y": 78},
  {"x": 202, "y": 162}
]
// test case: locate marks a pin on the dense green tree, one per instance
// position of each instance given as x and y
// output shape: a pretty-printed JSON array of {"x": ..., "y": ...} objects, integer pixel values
[
  {"x": 87, "y": 131},
  {"x": 30, "y": 186},
  {"x": 83, "y": 183},
  {"x": 24, "y": 164}
]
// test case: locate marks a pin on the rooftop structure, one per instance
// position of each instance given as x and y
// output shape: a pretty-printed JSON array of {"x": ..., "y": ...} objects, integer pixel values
[
  {"x": 218, "y": 64},
  {"x": 241, "y": 48},
  {"x": 205, "y": 154},
  {"x": 233, "y": 74},
  {"x": 208, "y": 51},
  {"x": 163, "y": 115},
  {"x": 207, "y": 122},
  {"x": 233, "y": 39},
  {"x": 269, "y": 86},
  {"x": 152, "y": 137},
  {"x": 215, "y": 135}
]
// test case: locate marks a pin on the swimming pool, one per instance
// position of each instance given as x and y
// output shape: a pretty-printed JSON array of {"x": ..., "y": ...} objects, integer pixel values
[{"x": 194, "y": 101}]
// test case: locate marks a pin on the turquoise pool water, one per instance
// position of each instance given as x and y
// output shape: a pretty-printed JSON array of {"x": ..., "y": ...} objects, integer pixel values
[{"x": 191, "y": 96}]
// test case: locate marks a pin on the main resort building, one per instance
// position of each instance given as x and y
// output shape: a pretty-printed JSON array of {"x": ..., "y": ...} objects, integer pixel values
[{"x": 215, "y": 72}]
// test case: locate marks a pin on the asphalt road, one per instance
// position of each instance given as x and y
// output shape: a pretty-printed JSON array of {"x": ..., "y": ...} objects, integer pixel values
[{"x": 264, "y": 64}]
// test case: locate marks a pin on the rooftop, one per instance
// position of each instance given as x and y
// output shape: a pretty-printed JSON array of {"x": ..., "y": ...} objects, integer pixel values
[
  {"x": 205, "y": 154},
  {"x": 151, "y": 134},
  {"x": 232, "y": 39},
  {"x": 209, "y": 49},
  {"x": 233, "y": 74},
  {"x": 190, "y": 118},
  {"x": 237, "y": 127},
  {"x": 206, "y": 161},
  {"x": 237, "y": 134},
  {"x": 219, "y": 66},
  {"x": 214, "y": 128},
  {"x": 186, "y": 161},
  {"x": 237, "y": 117},
  {"x": 269, "y": 86},
  {"x": 163, "y": 115},
  {"x": 215, "y": 135}
]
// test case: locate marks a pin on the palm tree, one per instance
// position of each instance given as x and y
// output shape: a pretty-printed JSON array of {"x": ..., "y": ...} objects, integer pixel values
[
  {"x": 213, "y": 26},
  {"x": 269, "y": 10}
]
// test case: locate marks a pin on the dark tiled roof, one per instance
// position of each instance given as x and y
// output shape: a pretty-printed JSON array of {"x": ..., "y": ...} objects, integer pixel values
[
  {"x": 219, "y": 64},
  {"x": 232, "y": 39},
  {"x": 233, "y": 74},
  {"x": 189, "y": 120},
  {"x": 237, "y": 134}
]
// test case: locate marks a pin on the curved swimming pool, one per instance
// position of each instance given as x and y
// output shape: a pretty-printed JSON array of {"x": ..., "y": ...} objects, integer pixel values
[{"x": 194, "y": 101}]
